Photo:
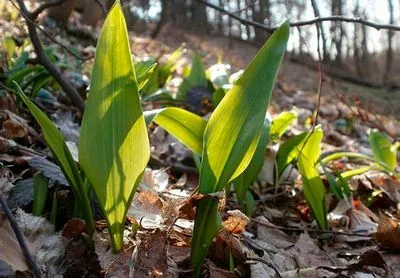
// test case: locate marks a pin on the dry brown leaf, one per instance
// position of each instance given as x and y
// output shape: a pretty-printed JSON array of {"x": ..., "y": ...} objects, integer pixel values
[
  {"x": 236, "y": 222},
  {"x": 13, "y": 126},
  {"x": 150, "y": 256},
  {"x": 388, "y": 233},
  {"x": 273, "y": 236},
  {"x": 10, "y": 251}
]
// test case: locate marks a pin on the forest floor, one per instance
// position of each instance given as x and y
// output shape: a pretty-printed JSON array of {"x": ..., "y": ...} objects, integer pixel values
[{"x": 279, "y": 240}]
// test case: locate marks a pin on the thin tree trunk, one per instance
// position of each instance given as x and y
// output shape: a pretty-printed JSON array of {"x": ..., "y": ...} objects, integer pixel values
[
  {"x": 389, "y": 52},
  {"x": 163, "y": 18},
  {"x": 323, "y": 36}
]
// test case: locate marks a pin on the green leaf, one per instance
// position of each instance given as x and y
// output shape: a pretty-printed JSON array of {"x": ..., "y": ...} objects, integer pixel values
[
  {"x": 197, "y": 77},
  {"x": 347, "y": 175},
  {"x": 281, "y": 123},
  {"x": 289, "y": 151},
  {"x": 382, "y": 149},
  {"x": 168, "y": 67},
  {"x": 9, "y": 46},
  {"x": 313, "y": 187},
  {"x": 114, "y": 146},
  {"x": 144, "y": 77},
  {"x": 208, "y": 221},
  {"x": 185, "y": 126},
  {"x": 40, "y": 190},
  {"x": 249, "y": 175},
  {"x": 232, "y": 134},
  {"x": 250, "y": 204},
  {"x": 339, "y": 185},
  {"x": 63, "y": 156}
]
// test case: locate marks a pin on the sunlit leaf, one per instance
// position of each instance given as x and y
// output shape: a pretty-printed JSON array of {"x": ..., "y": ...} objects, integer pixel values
[
  {"x": 281, "y": 123},
  {"x": 185, "y": 126},
  {"x": 382, "y": 149},
  {"x": 289, "y": 151},
  {"x": 144, "y": 76},
  {"x": 232, "y": 134},
  {"x": 63, "y": 156},
  {"x": 114, "y": 146},
  {"x": 249, "y": 175},
  {"x": 313, "y": 187},
  {"x": 196, "y": 78}
]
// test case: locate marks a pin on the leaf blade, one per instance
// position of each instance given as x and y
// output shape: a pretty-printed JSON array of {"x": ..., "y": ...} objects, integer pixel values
[{"x": 114, "y": 147}]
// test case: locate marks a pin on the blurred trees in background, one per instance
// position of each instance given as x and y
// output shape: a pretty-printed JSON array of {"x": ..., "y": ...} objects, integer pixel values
[{"x": 368, "y": 54}]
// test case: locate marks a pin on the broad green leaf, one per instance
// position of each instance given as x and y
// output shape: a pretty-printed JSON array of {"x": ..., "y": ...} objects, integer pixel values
[
  {"x": 9, "y": 46},
  {"x": 196, "y": 78},
  {"x": 217, "y": 96},
  {"x": 168, "y": 67},
  {"x": 208, "y": 221},
  {"x": 249, "y": 175},
  {"x": 185, "y": 126},
  {"x": 232, "y": 134},
  {"x": 114, "y": 146},
  {"x": 250, "y": 204},
  {"x": 289, "y": 151},
  {"x": 63, "y": 156},
  {"x": 313, "y": 187},
  {"x": 237, "y": 121},
  {"x": 40, "y": 190},
  {"x": 281, "y": 123},
  {"x": 144, "y": 77},
  {"x": 383, "y": 150}
]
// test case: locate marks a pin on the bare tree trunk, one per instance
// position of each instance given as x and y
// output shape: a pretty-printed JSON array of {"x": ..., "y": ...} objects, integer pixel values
[
  {"x": 323, "y": 36},
  {"x": 260, "y": 13},
  {"x": 357, "y": 56},
  {"x": 337, "y": 30},
  {"x": 163, "y": 18},
  {"x": 389, "y": 52},
  {"x": 220, "y": 19}
]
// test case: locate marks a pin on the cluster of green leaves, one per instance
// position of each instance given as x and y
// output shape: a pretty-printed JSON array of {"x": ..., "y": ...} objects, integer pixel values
[
  {"x": 114, "y": 147},
  {"x": 29, "y": 77}
]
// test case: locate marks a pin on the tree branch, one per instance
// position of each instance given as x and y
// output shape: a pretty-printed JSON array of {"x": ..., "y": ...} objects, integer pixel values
[
  {"x": 270, "y": 29},
  {"x": 45, "y": 6},
  {"x": 44, "y": 61}
]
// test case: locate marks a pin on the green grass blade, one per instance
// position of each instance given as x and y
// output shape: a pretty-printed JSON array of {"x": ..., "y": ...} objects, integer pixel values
[
  {"x": 185, "y": 126},
  {"x": 63, "y": 156},
  {"x": 114, "y": 147},
  {"x": 40, "y": 190},
  {"x": 313, "y": 187},
  {"x": 56, "y": 143},
  {"x": 232, "y": 134}
]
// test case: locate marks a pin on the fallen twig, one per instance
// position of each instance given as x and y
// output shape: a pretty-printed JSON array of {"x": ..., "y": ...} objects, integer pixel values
[{"x": 13, "y": 222}]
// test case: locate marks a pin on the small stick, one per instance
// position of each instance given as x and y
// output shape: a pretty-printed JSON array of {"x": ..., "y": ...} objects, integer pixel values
[{"x": 13, "y": 222}]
